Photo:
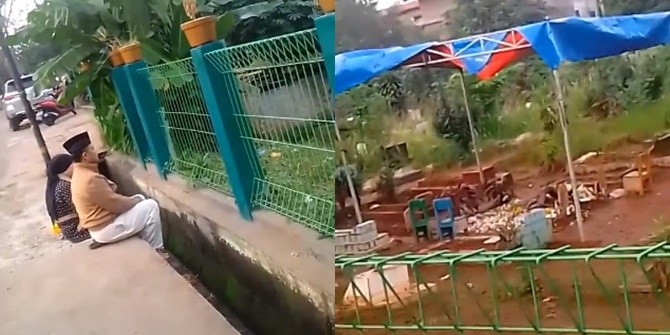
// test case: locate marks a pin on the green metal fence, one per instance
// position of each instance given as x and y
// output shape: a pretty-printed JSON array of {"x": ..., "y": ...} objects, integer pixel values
[
  {"x": 193, "y": 148},
  {"x": 610, "y": 290},
  {"x": 287, "y": 117}
]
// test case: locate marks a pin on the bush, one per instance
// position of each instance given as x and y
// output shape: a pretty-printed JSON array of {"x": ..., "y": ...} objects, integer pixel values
[
  {"x": 608, "y": 101},
  {"x": 425, "y": 146}
]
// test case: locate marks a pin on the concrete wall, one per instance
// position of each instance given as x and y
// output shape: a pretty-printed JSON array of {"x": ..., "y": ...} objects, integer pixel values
[
  {"x": 271, "y": 273},
  {"x": 586, "y": 8},
  {"x": 429, "y": 15},
  {"x": 425, "y": 15},
  {"x": 361, "y": 239}
]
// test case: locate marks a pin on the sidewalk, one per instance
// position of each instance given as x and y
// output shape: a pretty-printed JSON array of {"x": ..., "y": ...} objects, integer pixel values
[
  {"x": 122, "y": 289},
  {"x": 24, "y": 226},
  {"x": 50, "y": 287}
]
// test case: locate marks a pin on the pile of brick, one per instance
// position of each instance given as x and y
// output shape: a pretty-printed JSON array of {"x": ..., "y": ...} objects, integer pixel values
[{"x": 361, "y": 239}]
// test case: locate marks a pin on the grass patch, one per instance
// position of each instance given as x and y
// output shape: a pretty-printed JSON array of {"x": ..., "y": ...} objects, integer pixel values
[
  {"x": 586, "y": 133},
  {"x": 423, "y": 143},
  {"x": 641, "y": 122}
]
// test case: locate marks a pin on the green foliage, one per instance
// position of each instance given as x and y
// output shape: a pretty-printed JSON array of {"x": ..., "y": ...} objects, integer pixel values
[
  {"x": 391, "y": 88},
  {"x": 31, "y": 56},
  {"x": 472, "y": 17},
  {"x": 608, "y": 101},
  {"x": 367, "y": 122},
  {"x": 386, "y": 183},
  {"x": 84, "y": 31},
  {"x": 110, "y": 118},
  {"x": 626, "y": 7},
  {"x": 452, "y": 122},
  {"x": 278, "y": 18}
]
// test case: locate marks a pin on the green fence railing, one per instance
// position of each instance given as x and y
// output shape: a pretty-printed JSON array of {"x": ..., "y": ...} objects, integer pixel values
[
  {"x": 288, "y": 120},
  {"x": 193, "y": 148},
  {"x": 610, "y": 290}
]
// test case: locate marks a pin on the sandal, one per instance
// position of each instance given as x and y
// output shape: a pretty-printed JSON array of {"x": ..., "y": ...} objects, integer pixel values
[{"x": 95, "y": 245}]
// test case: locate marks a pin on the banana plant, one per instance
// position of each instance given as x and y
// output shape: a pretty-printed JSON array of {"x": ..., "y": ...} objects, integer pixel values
[{"x": 87, "y": 30}]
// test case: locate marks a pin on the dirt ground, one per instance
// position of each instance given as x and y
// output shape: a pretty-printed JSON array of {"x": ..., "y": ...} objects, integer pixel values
[
  {"x": 510, "y": 302},
  {"x": 631, "y": 219},
  {"x": 626, "y": 221}
]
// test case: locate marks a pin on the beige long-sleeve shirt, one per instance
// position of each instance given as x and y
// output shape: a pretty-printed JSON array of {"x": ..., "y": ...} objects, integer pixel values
[{"x": 95, "y": 199}]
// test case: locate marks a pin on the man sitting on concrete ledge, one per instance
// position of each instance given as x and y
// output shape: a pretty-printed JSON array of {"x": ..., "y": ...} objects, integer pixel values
[{"x": 110, "y": 217}]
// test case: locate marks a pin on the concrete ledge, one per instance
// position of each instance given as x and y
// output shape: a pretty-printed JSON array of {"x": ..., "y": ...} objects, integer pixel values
[
  {"x": 124, "y": 288},
  {"x": 276, "y": 276}
]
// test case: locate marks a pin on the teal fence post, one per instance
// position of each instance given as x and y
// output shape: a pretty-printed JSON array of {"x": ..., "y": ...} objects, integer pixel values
[
  {"x": 131, "y": 114},
  {"x": 325, "y": 31},
  {"x": 148, "y": 111},
  {"x": 223, "y": 101}
]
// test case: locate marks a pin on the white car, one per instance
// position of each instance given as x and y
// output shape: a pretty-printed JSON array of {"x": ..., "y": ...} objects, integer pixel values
[{"x": 11, "y": 101}]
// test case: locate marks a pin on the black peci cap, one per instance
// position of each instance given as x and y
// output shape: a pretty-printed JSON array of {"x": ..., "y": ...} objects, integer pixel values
[{"x": 76, "y": 144}]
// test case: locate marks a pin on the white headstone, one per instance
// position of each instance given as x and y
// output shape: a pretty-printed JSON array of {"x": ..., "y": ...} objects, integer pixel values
[{"x": 371, "y": 285}]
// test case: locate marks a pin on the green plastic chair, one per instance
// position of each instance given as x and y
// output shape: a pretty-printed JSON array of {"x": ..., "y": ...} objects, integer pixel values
[{"x": 418, "y": 212}]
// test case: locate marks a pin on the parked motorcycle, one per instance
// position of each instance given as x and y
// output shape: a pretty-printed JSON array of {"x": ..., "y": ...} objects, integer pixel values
[{"x": 48, "y": 110}]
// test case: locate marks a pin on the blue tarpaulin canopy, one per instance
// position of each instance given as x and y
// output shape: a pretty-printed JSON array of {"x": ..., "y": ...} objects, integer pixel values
[
  {"x": 354, "y": 68},
  {"x": 571, "y": 39}
]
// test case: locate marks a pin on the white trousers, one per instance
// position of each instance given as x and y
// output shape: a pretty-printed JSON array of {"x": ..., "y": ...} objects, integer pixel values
[{"x": 143, "y": 220}]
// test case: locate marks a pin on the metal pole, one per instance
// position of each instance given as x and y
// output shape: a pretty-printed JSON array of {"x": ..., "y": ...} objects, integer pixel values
[
  {"x": 472, "y": 129},
  {"x": 566, "y": 141},
  {"x": 30, "y": 113},
  {"x": 600, "y": 10},
  {"x": 350, "y": 182}
]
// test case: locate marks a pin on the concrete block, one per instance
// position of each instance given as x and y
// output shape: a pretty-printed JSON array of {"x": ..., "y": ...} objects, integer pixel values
[
  {"x": 363, "y": 227},
  {"x": 383, "y": 239},
  {"x": 342, "y": 232},
  {"x": 364, "y": 246},
  {"x": 373, "y": 226},
  {"x": 340, "y": 239}
]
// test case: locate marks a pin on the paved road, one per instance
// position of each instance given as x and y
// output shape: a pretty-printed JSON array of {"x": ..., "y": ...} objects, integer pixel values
[
  {"x": 24, "y": 225},
  {"x": 49, "y": 287},
  {"x": 4, "y": 134}
]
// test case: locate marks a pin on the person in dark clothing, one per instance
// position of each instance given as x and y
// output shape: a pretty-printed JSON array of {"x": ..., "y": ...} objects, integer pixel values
[{"x": 59, "y": 199}]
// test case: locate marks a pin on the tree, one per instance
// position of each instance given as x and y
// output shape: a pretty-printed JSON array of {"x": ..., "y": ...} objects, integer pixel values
[
  {"x": 278, "y": 18},
  {"x": 87, "y": 30},
  {"x": 31, "y": 56},
  {"x": 627, "y": 7},
  {"x": 472, "y": 17},
  {"x": 359, "y": 26}
]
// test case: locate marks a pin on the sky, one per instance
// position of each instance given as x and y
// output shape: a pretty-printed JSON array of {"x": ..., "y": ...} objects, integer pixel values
[{"x": 17, "y": 11}]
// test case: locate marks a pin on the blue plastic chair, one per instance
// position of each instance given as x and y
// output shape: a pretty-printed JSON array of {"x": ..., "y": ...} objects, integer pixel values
[{"x": 444, "y": 215}]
